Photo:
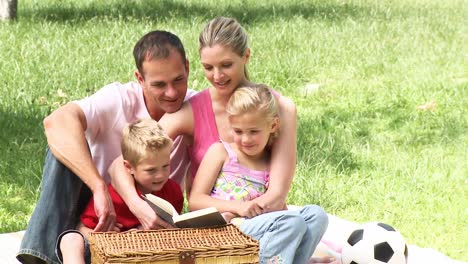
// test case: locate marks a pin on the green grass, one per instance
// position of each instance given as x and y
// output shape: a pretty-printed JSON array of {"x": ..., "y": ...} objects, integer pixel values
[{"x": 365, "y": 153}]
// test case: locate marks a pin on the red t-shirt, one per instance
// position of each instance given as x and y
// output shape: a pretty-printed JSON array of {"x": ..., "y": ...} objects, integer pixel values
[{"x": 170, "y": 192}]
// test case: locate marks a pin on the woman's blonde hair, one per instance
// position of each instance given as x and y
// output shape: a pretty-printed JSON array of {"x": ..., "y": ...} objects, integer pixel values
[
  {"x": 226, "y": 32},
  {"x": 256, "y": 98},
  {"x": 141, "y": 137}
]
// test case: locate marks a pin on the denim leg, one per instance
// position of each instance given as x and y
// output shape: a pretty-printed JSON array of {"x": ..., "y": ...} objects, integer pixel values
[
  {"x": 279, "y": 234},
  {"x": 56, "y": 210},
  {"x": 316, "y": 221}
]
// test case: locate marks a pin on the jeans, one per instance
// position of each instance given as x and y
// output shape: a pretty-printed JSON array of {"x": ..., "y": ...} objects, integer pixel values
[
  {"x": 63, "y": 197},
  {"x": 289, "y": 236}
]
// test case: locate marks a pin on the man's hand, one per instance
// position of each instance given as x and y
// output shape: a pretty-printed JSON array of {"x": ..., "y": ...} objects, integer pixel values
[
  {"x": 105, "y": 211},
  {"x": 117, "y": 228},
  {"x": 147, "y": 217}
]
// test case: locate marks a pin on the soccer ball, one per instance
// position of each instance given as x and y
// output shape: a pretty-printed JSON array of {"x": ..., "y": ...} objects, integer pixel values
[{"x": 375, "y": 243}]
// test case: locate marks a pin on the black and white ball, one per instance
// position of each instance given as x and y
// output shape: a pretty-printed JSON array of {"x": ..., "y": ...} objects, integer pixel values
[{"x": 375, "y": 243}]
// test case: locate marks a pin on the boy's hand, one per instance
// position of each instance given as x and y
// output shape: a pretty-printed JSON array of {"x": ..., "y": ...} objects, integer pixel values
[{"x": 147, "y": 217}]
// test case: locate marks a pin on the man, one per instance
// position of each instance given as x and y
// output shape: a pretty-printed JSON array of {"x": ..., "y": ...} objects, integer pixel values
[{"x": 84, "y": 138}]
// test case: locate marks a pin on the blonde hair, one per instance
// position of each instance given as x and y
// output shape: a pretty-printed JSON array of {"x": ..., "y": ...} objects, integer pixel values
[
  {"x": 226, "y": 32},
  {"x": 256, "y": 98},
  {"x": 141, "y": 137}
]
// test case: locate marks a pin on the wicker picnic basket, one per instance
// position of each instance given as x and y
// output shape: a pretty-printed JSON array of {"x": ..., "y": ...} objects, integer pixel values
[{"x": 223, "y": 244}]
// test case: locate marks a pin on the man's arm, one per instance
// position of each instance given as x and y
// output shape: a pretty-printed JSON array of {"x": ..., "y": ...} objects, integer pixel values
[
  {"x": 64, "y": 129},
  {"x": 283, "y": 159}
]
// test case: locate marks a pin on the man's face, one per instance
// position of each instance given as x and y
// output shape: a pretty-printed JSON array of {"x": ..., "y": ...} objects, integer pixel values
[{"x": 164, "y": 83}]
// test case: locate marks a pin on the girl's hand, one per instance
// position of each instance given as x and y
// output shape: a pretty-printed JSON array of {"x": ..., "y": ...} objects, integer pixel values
[
  {"x": 250, "y": 209},
  {"x": 228, "y": 216},
  {"x": 271, "y": 203}
]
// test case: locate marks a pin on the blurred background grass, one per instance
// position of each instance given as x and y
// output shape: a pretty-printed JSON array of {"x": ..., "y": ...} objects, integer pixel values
[{"x": 381, "y": 90}]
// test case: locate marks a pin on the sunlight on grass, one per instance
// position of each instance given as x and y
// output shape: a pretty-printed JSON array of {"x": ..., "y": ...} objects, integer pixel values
[{"x": 381, "y": 91}]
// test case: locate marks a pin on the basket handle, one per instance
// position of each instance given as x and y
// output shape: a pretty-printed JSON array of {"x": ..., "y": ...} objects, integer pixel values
[{"x": 187, "y": 257}]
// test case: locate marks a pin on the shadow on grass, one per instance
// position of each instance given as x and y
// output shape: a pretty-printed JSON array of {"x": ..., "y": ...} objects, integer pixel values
[
  {"x": 22, "y": 142},
  {"x": 166, "y": 10}
]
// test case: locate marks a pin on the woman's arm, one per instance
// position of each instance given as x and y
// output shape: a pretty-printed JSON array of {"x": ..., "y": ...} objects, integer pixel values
[
  {"x": 178, "y": 123},
  {"x": 283, "y": 159}
]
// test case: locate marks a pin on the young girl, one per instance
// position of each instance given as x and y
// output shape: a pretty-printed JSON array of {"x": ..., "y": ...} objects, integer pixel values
[{"x": 232, "y": 175}]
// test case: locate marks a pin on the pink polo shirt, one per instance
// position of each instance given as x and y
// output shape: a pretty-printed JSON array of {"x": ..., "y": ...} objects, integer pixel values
[{"x": 108, "y": 111}]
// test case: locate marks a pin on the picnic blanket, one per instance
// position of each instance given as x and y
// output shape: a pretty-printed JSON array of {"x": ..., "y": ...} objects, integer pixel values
[{"x": 337, "y": 232}]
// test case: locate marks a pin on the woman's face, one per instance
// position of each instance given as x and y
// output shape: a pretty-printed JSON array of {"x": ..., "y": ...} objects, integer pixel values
[{"x": 223, "y": 67}]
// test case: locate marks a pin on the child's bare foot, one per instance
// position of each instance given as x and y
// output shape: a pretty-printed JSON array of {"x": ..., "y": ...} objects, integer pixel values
[{"x": 324, "y": 260}]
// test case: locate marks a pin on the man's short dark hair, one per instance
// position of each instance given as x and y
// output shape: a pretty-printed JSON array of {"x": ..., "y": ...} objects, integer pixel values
[{"x": 157, "y": 44}]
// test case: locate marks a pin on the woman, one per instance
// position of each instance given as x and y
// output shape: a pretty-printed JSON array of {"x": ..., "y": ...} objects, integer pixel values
[{"x": 224, "y": 54}]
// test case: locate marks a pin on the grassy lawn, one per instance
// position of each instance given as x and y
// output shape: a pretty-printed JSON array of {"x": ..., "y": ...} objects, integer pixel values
[{"x": 381, "y": 90}]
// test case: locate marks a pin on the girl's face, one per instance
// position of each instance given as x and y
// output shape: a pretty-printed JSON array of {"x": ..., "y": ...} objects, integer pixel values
[
  {"x": 224, "y": 68},
  {"x": 251, "y": 132}
]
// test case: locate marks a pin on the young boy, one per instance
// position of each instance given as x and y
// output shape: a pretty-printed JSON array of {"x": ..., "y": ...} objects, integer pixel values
[{"x": 145, "y": 150}]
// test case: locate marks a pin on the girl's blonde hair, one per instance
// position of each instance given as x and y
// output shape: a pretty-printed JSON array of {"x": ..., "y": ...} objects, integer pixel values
[
  {"x": 256, "y": 98},
  {"x": 141, "y": 137},
  {"x": 226, "y": 32}
]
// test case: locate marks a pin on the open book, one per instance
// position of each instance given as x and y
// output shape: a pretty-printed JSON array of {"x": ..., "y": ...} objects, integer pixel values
[{"x": 207, "y": 217}]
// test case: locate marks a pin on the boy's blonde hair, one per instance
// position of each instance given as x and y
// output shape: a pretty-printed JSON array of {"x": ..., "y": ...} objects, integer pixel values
[
  {"x": 227, "y": 32},
  {"x": 141, "y": 137},
  {"x": 256, "y": 98}
]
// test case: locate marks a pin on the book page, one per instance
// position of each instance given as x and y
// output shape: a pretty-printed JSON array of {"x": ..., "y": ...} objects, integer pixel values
[
  {"x": 201, "y": 218},
  {"x": 163, "y": 208}
]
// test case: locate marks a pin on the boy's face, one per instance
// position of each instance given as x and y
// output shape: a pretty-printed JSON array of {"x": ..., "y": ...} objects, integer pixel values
[{"x": 152, "y": 171}]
